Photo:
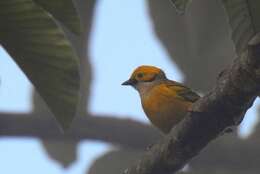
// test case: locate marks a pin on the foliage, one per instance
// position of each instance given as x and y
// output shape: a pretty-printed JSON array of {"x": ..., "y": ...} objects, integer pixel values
[
  {"x": 30, "y": 34},
  {"x": 181, "y": 5},
  {"x": 244, "y": 21}
]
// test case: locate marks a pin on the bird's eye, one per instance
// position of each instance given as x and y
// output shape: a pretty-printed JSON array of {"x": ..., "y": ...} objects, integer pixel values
[{"x": 140, "y": 75}]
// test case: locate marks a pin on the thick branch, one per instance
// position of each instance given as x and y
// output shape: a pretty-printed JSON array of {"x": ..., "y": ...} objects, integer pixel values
[
  {"x": 224, "y": 106},
  {"x": 124, "y": 132}
]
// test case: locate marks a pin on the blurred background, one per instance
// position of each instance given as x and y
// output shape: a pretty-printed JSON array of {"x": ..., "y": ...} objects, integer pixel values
[{"x": 119, "y": 36}]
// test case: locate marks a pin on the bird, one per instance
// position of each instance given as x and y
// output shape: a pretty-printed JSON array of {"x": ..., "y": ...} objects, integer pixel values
[{"x": 165, "y": 102}]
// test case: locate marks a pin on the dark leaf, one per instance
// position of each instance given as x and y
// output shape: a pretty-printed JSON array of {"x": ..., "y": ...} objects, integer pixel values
[
  {"x": 244, "y": 21},
  {"x": 181, "y": 5},
  {"x": 61, "y": 151},
  {"x": 64, "y": 11},
  {"x": 40, "y": 48}
]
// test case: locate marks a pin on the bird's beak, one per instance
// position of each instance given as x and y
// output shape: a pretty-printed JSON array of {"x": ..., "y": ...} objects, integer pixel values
[{"x": 130, "y": 82}]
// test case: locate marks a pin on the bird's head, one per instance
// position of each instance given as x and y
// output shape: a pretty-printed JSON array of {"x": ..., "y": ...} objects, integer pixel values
[{"x": 144, "y": 77}]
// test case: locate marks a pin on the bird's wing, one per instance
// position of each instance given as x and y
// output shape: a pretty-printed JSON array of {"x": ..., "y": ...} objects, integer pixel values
[{"x": 182, "y": 91}]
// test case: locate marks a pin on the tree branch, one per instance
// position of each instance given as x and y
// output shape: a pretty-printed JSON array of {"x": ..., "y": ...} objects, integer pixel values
[
  {"x": 124, "y": 132},
  {"x": 224, "y": 106}
]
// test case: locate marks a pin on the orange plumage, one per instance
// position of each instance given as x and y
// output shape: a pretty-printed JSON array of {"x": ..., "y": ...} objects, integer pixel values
[{"x": 165, "y": 102}]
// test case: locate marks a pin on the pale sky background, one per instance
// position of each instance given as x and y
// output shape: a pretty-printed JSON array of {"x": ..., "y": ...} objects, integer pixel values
[{"x": 122, "y": 39}]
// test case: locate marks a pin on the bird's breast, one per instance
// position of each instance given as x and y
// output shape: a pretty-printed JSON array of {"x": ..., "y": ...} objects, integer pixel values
[{"x": 163, "y": 108}]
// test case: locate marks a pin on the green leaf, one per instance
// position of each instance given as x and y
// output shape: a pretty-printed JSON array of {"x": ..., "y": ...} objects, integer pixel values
[
  {"x": 63, "y": 152},
  {"x": 64, "y": 11},
  {"x": 40, "y": 48},
  {"x": 244, "y": 20},
  {"x": 181, "y": 5}
]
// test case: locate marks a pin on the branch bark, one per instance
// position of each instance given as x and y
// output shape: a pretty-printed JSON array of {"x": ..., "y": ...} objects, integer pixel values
[
  {"x": 224, "y": 106},
  {"x": 123, "y": 132}
]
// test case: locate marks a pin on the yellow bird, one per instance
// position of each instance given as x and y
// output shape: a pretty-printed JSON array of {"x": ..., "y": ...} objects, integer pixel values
[{"x": 165, "y": 102}]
